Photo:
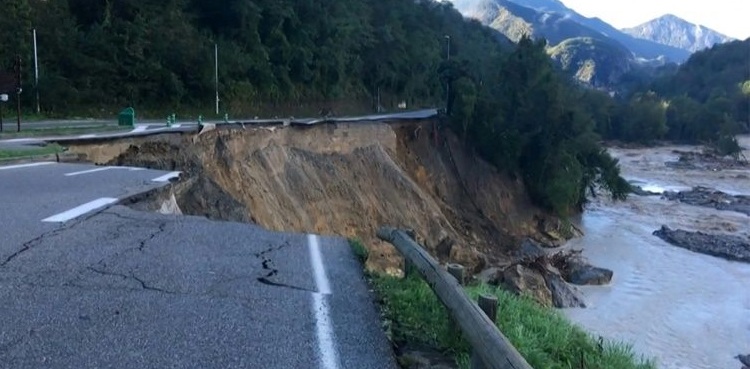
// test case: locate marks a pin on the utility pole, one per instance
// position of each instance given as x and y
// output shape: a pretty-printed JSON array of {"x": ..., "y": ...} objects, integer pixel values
[
  {"x": 448, "y": 81},
  {"x": 36, "y": 75},
  {"x": 18, "y": 93},
  {"x": 216, "y": 75}
]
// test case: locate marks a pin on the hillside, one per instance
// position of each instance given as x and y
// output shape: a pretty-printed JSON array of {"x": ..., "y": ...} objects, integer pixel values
[
  {"x": 592, "y": 61},
  {"x": 275, "y": 56},
  {"x": 704, "y": 100},
  {"x": 676, "y": 32}
]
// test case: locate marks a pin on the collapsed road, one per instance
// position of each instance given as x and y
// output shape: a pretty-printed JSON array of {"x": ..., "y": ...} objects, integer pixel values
[{"x": 88, "y": 283}]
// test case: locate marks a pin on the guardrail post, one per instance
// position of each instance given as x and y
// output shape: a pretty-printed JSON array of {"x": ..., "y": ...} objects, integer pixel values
[
  {"x": 488, "y": 304},
  {"x": 457, "y": 271}
]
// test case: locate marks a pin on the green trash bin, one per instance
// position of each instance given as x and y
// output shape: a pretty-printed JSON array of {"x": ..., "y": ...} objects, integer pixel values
[{"x": 126, "y": 117}]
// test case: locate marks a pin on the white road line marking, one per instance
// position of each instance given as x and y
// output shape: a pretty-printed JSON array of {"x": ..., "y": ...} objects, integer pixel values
[
  {"x": 132, "y": 169},
  {"x": 328, "y": 356},
  {"x": 87, "y": 136},
  {"x": 80, "y": 210},
  {"x": 167, "y": 177},
  {"x": 323, "y": 327},
  {"x": 178, "y": 125},
  {"x": 27, "y": 165},
  {"x": 139, "y": 129},
  {"x": 316, "y": 259},
  {"x": 88, "y": 171}
]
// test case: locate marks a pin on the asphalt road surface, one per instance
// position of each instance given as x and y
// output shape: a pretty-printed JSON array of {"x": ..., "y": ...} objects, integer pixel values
[
  {"x": 151, "y": 128},
  {"x": 86, "y": 286}
]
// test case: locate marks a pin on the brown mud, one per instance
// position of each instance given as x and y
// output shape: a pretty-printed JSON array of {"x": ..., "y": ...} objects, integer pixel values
[{"x": 348, "y": 179}]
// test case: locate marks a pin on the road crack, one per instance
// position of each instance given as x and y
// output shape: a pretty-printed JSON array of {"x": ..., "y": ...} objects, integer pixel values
[
  {"x": 271, "y": 271},
  {"x": 36, "y": 241},
  {"x": 132, "y": 277},
  {"x": 143, "y": 242}
]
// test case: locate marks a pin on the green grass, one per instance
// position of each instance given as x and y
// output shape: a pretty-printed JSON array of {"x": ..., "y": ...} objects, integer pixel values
[
  {"x": 60, "y": 131},
  {"x": 359, "y": 249},
  {"x": 543, "y": 336},
  {"x": 24, "y": 153}
]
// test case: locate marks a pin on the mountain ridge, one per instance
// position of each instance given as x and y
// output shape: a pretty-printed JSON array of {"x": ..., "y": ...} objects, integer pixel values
[
  {"x": 596, "y": 28},
  {"x": 674, "y": 31}
]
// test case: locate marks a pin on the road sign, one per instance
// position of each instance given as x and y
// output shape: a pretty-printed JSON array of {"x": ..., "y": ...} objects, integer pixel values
[
  {"x": 8, "y": 83},
  {"x": 4, "y": 97}
]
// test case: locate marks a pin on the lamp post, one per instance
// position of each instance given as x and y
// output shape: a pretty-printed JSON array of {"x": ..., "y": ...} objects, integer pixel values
[
  {"x": 36, "y": 74},
  {"x": 216, "y": 75},
  {"x": 448, "y": 82}
]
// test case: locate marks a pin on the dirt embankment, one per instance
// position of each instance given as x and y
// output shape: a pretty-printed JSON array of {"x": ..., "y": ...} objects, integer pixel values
[{"x": 347, "y": 179}]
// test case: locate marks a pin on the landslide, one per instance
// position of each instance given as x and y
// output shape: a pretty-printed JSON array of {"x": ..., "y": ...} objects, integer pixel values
[{"x": 346, "y": 179}]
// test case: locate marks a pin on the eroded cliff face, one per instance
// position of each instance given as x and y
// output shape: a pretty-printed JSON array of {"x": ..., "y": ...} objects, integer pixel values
[{"x": 346, "y": 179}]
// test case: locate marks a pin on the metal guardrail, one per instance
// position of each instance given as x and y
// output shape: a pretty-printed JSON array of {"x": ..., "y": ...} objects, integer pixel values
[
  {"x": 191, "y": 127},
  {"x": 491, "y": 349}
]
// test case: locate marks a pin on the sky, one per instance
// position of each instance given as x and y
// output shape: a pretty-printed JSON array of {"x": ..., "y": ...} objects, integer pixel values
[{"x": 730, "y": 17}]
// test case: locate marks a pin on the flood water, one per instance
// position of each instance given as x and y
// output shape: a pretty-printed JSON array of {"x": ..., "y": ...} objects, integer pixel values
[{"x": 687, "y": 310}]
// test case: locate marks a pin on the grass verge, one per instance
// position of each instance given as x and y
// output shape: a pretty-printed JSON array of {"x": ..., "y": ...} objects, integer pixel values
[
  {"x": 542, "y": 335},
  {"x": 30, "y": 152}
]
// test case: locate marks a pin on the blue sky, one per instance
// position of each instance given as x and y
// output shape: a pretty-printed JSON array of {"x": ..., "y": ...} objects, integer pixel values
[{"x": 730, "y": 17}]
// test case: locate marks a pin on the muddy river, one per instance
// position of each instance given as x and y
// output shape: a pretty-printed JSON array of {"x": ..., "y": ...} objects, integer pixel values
[{"x": 687, "y": 310}]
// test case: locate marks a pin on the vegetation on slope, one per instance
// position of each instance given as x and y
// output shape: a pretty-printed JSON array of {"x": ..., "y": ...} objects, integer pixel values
[
  {"x": 160, "y": 56},
  {"x": 707, "y": 100},
  {"x": 592, "y": 61},
  {"x": 544, "y": 337},
  {"x": 529, "y": 120}
]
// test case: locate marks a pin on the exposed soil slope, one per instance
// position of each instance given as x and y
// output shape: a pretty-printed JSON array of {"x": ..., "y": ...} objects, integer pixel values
[{"x": 346, "y": 179}]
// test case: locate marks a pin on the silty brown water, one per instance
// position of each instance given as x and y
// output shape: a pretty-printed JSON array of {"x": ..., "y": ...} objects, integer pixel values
[{"x": 688, "y": 310}]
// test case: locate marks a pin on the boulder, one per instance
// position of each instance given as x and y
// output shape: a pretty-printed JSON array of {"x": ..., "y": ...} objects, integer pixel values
[
  {"x": 529, "y": 250},
  {"x": 520, "y": 279},
  {"x": 490, "y": 276},
  {"x": 564, "y": 295},
  {"x": 582, "y": 274},
  {"x": 575, "y": 269}
]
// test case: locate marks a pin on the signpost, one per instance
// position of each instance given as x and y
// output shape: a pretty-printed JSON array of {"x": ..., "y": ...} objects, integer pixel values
[{"x": 3, "y": 98}]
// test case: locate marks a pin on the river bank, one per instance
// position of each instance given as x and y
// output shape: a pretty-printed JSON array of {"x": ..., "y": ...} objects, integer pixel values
[{"x": 687, "y": 309}]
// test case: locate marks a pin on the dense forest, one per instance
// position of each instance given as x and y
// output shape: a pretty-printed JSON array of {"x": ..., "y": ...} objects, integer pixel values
[
  {"x": 153, "y": 54},
  {"x": 704, "y": 100},
  {"x": 506, "y": 101}
]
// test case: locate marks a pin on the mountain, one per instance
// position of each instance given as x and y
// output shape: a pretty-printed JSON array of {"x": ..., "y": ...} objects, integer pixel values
[
  {"x": 553, "y": 19},
  {"x": 586, "y": 54},
  {"x": 514, "y": 21},
  {"x": 593, "y": 61},
  {"x": 676, "y": 32}
]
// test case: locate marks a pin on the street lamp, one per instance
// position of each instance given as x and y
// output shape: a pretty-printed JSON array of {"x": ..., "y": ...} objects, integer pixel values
[
  {"x": 448, "y": 53},
  {"x": 447, "y": 81}
]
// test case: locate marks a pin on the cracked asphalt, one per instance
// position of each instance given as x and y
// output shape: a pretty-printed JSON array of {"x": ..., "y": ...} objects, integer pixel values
[{"x": 128, "y": 289}]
